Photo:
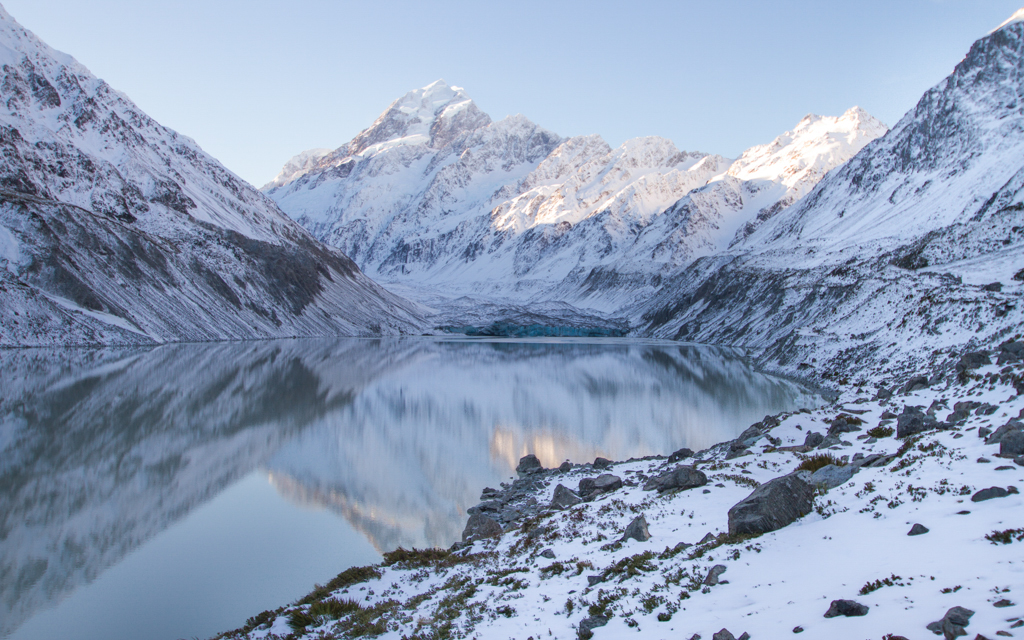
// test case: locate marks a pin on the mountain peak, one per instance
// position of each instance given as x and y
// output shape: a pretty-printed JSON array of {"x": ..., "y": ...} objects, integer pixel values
[{"x": 1018, "y": 16}]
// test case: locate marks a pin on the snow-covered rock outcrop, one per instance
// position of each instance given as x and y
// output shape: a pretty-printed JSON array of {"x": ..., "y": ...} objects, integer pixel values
[
  {"x": 436, "y": 197},
  {"x": 115, "y": 229}
]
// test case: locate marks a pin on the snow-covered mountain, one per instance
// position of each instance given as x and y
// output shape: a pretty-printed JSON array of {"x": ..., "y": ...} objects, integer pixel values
[
  {"x": 115, "y": 229},
  {"x": 916, "y": 245},
  {"x": 436, "y": 197}
]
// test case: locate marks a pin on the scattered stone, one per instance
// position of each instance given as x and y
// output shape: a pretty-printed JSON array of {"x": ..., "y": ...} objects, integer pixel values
[
  {"x": 1010, "y": 351},
  {"x": 708, "y": 537},
  {"x": 992, "y": 492},
  {"x": 993, "y": 286},
  {"x": 973, "y": 360},
  {"x": 565, "y": 467},
  {"x": 528, "y": 464},
  {"x": 887, "y": 415},
  {"x": 744, "y": 635},
  {"x": 963, "y": 512},
  {"x": 490, "y": 506},
  {"x": 918, "y": 529},
  {"x": 1019, "y": 461},
  {"x": 723, "y": 635},
  {"x": 831, "y": 476},
  {"x": 952, "y": 624},
  {"x": 1004, "y": 431},
  {"x": 682, "y": 477},
  {"x": 590, "y": 488},
  {"x": 602, "y": 463},
  {"x": 799, "y": 629},
  {"x": 1012, "y": 444},
  {"x": 548, "y": 553},
  {"x": 773, "y": 505},
  {"x": 848, "y": 608},
  {"x": 682, "y": 546},
  {"x": 1002, "y": 603},
  {"x": 480, "y": 527},
  {"x": 830, "y": 442},
  {"x": 488, "y": 493},
  {"x": 736, "y": 453},
  {"x": 713, "y": 575},
  {"x": 1015, "y": 625},
  {"x": 813, "y": 439},
  {"x": 915, "y": 384},
  {"x": 564, "y": 498},
  {"x": 594, "y": 579},
  {"x": 912, "y": 421},
  {"x": 983, "y": 460},
  {"x": 986, "y": 409},
  {"x": 706, "y": 491},
  {"x": 637, "y": 530},
  {"x": 1005, "y": 467},
  {"x": 843, "y": 424},
  {"x": 681, "y": 454},
  {"x": 983, "y": 431},
  {"x": 720, "y": 485},
  {"x": 587, "y": 626}
]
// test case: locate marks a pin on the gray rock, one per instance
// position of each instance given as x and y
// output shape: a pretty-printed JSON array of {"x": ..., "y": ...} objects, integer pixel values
[
  {"x": 682, "y": 477},
  {"x": 831, "y": 476},
  {"x": 744, "y": 636},
  {"x": 992, "y": 492},
  {"x": 637, "y": 530},
  {"x": 587, "y": 626},
  {"x": 480, "y": 527},
  {"x": 713, "y": 575},
  {"x": 848, "y": 608},
  {"x": 915, "y": 384},
  {"x": 993, "y": 286},
  {"x": 843, "y": 424},
  {"x": 590, "y": 488},
  {"x": 986, "y": 409},
  {"x": 1002, "y": 432},
  {"x": 917, "y": 529},
  {"x": 952, "y": 624},
  {"x": 798, "y": 629},
  {"x": 1012, "y": 444},
  {"x": 773, "y": 505},
  {"x": 602, "y": 463},
  {"x": 1019, "y": 461},
  {"x": 681, "y": 454},
  {"x": 564, "y": 498},
  {"x": 962, "y": 410},
  {"x": 723, "y": 635},
  {"x": 490, "y": 506},
  {"x": 548, "y": 553},
  {"x": 973, "y": 360},
  {"x": 1002, "y": 603},
  {"x": 813, "y": 439},
  {"x": 1010, "y": 352},
  {"x": 708, "y": 537},
  {"x": 565, "y": 467},
  {"x": 912, "y": 421},
  {"x": 737, "y": 453},
  {"x": 528, "y": 464},
  {"x": 594, "y": 579}
]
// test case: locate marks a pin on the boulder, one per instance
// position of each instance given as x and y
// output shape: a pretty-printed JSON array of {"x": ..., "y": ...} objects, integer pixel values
[
  {"x": 843, "y": 424},
  {"x": 489, "y": 506},
  {"x": 565, "y": 467},
  {"x": 993, "y": 286},
  {"x": 962, "y": 410},
  {"x": 724, "y": 634},
  {"x": 1004, "y": 431},
  {"x": 915, "y": 384},
  {"x": 587, "y": 626},
  {"x": 602, "y": 463},
  {"x": 831, "y": 476},
  {"x": 564, "y": 498},
  {"x": 993, "y": 492},
  {"x": 637, "y": 530},
  {"x": 528, "y": 464},
  {"x": 917, "y": 529},
  {"x": 952, "y": 624},
  {"x": 773, "y": 505},
  {"x": 912, "y": 421},
  {"x": 813, "y": 439},
  {"x": 480, "y": 527},
  {"x": 1012, "y": 444},
  {"x": 973, "y": 360},
  {"x": 590, "y": 488},
  {"x": 714, "y": 574},
  {"x": 682, "y": 477},
  {"x": 848, "y": 608},
  {"x": 681, "y": 454},
  {"x": 1011, "y": 351}
]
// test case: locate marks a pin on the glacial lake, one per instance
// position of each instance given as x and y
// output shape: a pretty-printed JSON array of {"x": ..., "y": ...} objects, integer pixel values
[{"x": 172, "y": 492}]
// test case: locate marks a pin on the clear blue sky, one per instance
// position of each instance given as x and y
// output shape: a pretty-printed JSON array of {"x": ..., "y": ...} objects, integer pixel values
[{"x": 255, "y": 82}]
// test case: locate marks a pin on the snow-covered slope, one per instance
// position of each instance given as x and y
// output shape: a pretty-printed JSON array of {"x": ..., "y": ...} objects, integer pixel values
[
  {"x": 916, "y": 243},
  {"x": 114, "y": 228},
  {"x": 434, "y": 196}
]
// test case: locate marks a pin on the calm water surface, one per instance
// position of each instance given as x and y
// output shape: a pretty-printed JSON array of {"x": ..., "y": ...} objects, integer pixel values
[{"x": 173, "y": 492}]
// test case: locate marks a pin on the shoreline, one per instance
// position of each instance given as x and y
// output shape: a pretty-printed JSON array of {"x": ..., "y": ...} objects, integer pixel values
[{"x": 528, "y": 568}]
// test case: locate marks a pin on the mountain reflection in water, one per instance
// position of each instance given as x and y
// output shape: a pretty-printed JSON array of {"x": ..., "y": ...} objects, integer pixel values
[{"x": 100, "y": 450}]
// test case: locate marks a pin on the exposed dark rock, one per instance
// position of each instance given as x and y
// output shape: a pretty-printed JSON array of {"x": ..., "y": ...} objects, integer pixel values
[
  {"x": 912, "y": 421},
  {"x": 480, "y": 527},
  {"x": 843, "y": 424},
  {"x": 813, "y": 439},
  {"x": 973, "y": 360},
  {"x": 681, "y": 454},
  {"x": 1002, "y": 603},
  {"x": 682, "y": 477},
  {"x": 587, "y": 626},
  {"x": 772, "y": 506},
  {"x": 714, "y": 574},
  {"x": 993, "y": 286},
  {"x": 594, "y": 579},
  {"x": 490, "y": 506},
  {"x": 548, "y": 553},
  {"x": 590, "y": 488},
  {"x": 1012, "y": 444},
  {"x": 962, "y": 410},
  {"x": 564, "y": 498},
  {"x": 1010, "y": 351},
  {"x": 917, "y": 529},
  {"x": 723, "y": 635},
  {"x": 831, "y": 476},
  {"x": 992, "y": 492},
  {"x": 915, "y": 384},
  {"x": 565, "y": 467},
  {"x": 602, "y": 463},
  {"x": 952, "y": 624},
  {"x": 848, "y": 608},
  {"x": 1003, "y": 431},
  {"x": 637, "y": 530},
  {"x": 798, "y": 629},
  {"x": 528, "y": 464}
]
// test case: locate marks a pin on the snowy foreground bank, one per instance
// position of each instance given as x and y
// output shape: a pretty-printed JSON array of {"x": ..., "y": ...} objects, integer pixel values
[{"x": 906, "y": 528}]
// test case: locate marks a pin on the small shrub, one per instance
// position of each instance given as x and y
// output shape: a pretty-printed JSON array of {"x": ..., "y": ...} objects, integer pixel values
[
  {"x": 333, "y": 608},
  {"x": 414, "y": 557},
  {"x": 298, "y": 620},
  {"x": 817, "y": 461},
  {"x": 1006, "y": 536},
  {"x": 881, "y": 432},
  {"x": 951, "y": 589},
  {"x": 878, "y": 584},
  {"x": 506, "y": 611}
]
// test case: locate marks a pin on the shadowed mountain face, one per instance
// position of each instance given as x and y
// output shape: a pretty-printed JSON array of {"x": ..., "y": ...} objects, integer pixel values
[{"x": 100, "y": 450}]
